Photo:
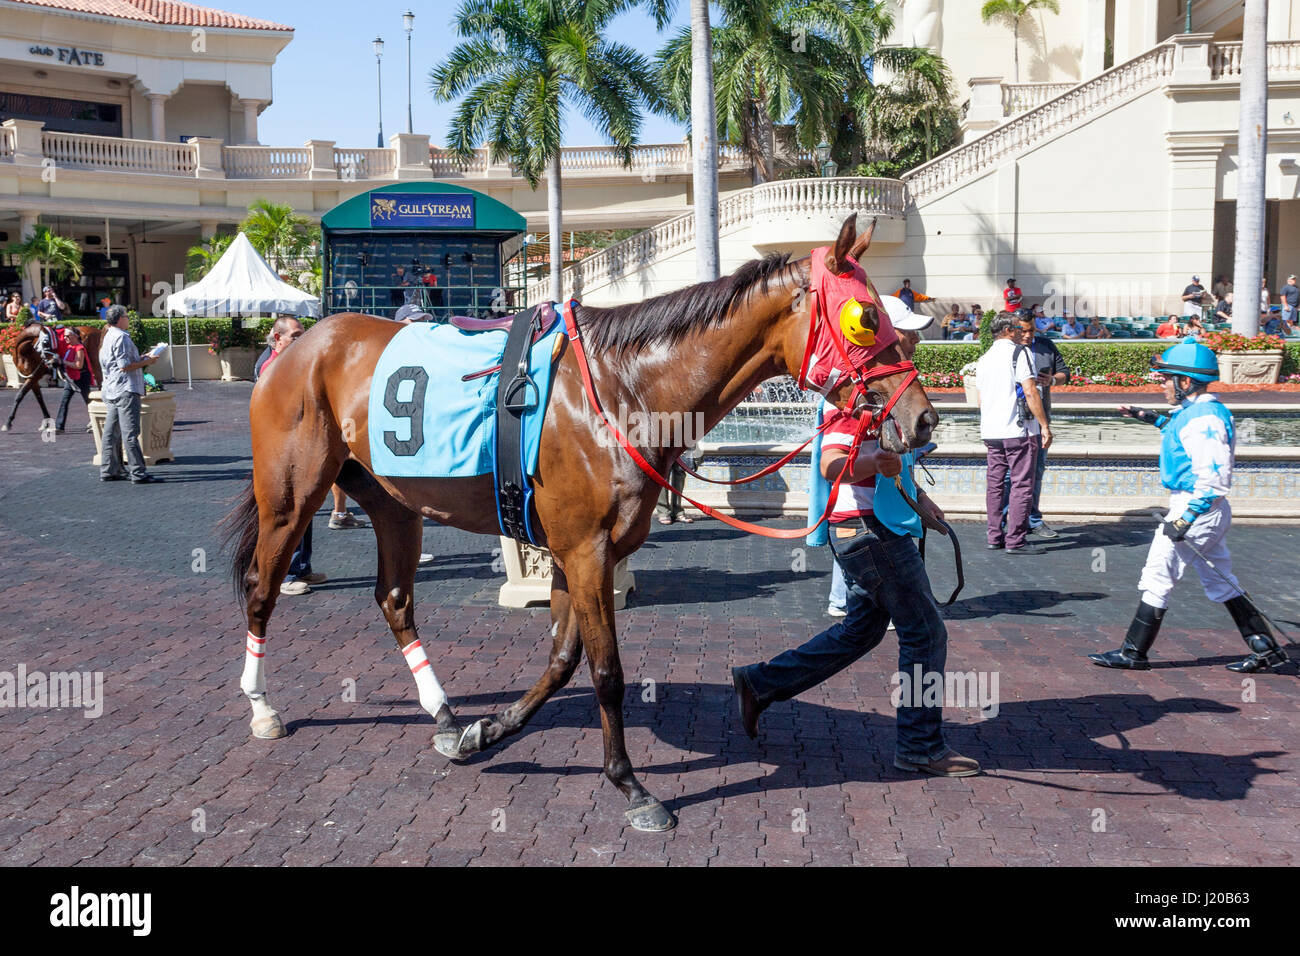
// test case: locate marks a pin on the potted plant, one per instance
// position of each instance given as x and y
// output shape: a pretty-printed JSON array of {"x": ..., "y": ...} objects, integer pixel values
[
  {"x": 968, "y": 380},
  {"x": 228, "y": 344},
  {"x": 8, "y": 336},
  {"x": 1254, "y": 360}
]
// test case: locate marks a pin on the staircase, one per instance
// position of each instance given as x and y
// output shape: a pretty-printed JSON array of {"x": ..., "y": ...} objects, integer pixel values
[{"x": 957, "y": 167}]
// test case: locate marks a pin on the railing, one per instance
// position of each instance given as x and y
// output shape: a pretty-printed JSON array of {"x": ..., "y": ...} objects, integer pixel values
[
  {"x": 811, "y": 196},
  {"x": 364, "y": 163},
  {"x": 446, "y": 165},
  {"x": 1019, "y": 97},
  {"x": 110, "y": 152},
  {"x": 440, "y": 301},
  {"x": 266, "y": 162},
  {"x": 1283, "y": 57},
  {"x": 644, "y": 248},
  {"x": 984, "y": 152}
]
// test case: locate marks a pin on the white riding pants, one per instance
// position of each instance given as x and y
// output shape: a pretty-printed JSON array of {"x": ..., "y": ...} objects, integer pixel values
[{"x": 1167, "y": 560}]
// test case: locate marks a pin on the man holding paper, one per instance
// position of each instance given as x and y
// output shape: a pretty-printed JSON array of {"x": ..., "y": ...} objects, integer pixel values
[{"x": 122, "y": 390}]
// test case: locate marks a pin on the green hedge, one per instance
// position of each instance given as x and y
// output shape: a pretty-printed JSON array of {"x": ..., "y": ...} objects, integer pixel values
[
  {"x": 1082, "y": 358},
  {"x": 229, "y": 333}
]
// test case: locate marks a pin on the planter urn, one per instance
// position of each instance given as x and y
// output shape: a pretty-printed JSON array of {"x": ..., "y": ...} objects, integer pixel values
[
  {"x": 528, "y": 576},
  {"x": 157, "y": 416}
]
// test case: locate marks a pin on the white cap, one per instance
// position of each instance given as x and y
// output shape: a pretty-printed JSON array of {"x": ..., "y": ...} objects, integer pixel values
[{"x": 904, "y": 319}]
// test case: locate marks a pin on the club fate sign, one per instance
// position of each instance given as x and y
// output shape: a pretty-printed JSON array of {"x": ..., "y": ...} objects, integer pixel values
[
  {"x": 422, "y": 211},
  {"x": 69, "y": 55}
]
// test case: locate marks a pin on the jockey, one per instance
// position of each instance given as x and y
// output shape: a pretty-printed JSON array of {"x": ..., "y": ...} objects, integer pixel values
[{"x": 1196, "y": 458}]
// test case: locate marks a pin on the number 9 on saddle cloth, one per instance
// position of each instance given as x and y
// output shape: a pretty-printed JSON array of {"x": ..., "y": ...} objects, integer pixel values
[{"x": 441, "y": 408}]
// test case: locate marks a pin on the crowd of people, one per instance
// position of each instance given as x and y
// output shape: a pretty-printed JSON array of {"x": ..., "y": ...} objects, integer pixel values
[{"x": 1200, "y": 305}]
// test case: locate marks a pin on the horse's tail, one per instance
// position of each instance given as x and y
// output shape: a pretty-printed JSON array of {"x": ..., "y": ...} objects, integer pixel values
[{"x": 239, "y": 538}]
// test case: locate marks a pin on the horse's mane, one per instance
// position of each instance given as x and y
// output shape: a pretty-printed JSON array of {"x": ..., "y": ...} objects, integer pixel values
[{"x": 669, "y": 318}]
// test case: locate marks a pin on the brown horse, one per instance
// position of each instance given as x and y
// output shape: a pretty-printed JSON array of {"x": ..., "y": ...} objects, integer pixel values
[
  {"x": 32, "y": 368},
  {"x": 700, "y": 349}
]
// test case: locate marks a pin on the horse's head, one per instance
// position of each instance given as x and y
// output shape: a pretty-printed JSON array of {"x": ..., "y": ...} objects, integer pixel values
[{"x": 848, "y": 339}]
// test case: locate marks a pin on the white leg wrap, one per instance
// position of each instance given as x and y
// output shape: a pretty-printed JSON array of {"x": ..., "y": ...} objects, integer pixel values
[
  {"x": 432, "y": 697},
  {"x": 253, "y": 681}
]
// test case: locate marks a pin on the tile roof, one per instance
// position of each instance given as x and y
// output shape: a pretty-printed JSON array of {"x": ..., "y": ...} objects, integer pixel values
[{"x": 166, "y": 12}]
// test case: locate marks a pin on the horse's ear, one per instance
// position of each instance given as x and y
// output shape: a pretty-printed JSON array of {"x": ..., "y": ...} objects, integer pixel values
[
  {"x": 864, "y": 241},
  {"x": 837, "y": 256}
]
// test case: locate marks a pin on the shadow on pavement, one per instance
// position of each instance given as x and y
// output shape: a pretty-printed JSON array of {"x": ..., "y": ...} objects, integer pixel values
[{"x": 809, "y": 745}]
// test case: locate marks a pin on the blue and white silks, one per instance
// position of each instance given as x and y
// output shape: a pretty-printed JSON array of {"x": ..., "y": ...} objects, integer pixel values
[{"x": 1197, "y": 453}]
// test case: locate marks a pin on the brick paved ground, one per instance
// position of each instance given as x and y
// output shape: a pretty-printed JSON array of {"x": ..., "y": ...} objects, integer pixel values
[{"x": 1085, "y": 765}]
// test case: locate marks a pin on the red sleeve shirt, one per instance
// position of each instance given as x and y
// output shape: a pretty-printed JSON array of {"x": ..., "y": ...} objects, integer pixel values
[{"x": 853, "y": 499}]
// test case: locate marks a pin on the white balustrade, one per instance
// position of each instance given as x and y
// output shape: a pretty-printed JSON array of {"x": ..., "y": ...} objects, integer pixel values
[
  {"x": 1283, "y": 57},
  {"x": 365, "y": 163},
  {"x": 983, "y": 152},
  {"x": 1020, "y": 97},
  {"x": 814, "y": 197},
  {"x": 78, "y": 150},
  {"x": 266, "y": 162}
]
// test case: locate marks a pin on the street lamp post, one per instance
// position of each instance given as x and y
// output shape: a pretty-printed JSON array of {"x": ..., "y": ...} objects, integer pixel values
[
  {"x": 408, "y": 24},
  {"x": 826, "y": 167},
  {"x": 378, "y": 44}
]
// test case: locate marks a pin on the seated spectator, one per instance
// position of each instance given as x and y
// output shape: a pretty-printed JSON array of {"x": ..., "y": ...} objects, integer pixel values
[
  {"x": 1194, "y": 327},
  {"x": 1042, "y": 322},
  {"x": 1071, "y": 329},
  {"x": 1224, "y": 312},
  {"x": 1169, "y": 328},
  {"x": 1273, "y": 325},
  {"x": 951, "y": 322},
  {"x": 975, "y": 316},
  {"x": 1095, "y": 329}
]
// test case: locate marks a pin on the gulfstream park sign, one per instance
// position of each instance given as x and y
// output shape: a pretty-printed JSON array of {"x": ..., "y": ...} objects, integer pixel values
[{"x": 422, "y": 210}]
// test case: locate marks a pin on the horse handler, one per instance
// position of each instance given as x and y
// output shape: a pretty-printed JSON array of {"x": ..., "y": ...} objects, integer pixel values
[
  {"x": 871, "y": 537},
  {"x": 1196, "y": 458}
]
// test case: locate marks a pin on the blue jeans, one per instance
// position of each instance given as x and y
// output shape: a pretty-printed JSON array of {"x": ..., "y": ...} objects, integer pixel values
[
  {"x": 300, "y": 563},
  {"x": 839, "y": 587},
  {"x": 887, "y": 580}
]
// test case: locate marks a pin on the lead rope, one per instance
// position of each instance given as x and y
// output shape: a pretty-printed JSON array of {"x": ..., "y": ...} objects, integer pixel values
[{"x": 575, "y": 338}]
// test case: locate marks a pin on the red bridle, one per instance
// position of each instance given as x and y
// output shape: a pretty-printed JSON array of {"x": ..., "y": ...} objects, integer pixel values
[{"x": 866, "y": 424}]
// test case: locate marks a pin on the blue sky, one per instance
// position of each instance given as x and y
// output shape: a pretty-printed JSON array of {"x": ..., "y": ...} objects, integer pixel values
[{"x": 325, "y": 78}]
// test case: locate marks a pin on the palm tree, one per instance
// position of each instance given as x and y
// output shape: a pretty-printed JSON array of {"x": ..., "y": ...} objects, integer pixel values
[
  {"x": 911, "y": 118},
  {"x": 54, "y": 253},
  {"x": 282, "y": 237},
  {"x": 520, "y": 64},
  {"x": 203, "y": 256},
  {"x": 777, "y": 60},
  {"x": 1011, "y": 12}
]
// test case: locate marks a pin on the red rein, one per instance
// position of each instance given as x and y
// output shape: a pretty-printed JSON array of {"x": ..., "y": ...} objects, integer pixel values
[{"x": 869, "y": 423}]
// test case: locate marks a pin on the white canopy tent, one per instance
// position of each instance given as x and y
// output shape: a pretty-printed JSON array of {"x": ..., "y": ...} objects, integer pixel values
[{"x": 241, "y": 283}]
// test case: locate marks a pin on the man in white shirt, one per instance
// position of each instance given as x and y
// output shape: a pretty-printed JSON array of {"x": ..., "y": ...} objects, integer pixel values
[{"x": 1011, "y": 419}]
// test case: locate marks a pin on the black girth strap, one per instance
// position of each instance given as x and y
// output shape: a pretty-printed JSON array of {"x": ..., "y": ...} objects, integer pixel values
[{"x": 516, "y": 394}]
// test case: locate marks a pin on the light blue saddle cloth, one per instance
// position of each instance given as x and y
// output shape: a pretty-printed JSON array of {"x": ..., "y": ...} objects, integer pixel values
[{"x": 425, "y": 422}]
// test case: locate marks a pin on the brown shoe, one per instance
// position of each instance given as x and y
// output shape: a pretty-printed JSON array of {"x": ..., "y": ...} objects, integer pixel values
[
  {"x": 749, "y": 706},
  {"x": 952, "y": 764}
]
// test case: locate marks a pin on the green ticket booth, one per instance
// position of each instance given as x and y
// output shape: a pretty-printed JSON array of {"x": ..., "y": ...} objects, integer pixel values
[{"x": 448, "y": 249}]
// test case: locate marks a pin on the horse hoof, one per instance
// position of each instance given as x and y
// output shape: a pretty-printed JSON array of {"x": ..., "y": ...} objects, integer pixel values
[
  {"x": 447, "y": 742},
  {"x": 471, "y": 741},
  {"x": 268, "y": 728},
  {"x": 650, "y": 816},
  {"x": 4, "y": 428}
]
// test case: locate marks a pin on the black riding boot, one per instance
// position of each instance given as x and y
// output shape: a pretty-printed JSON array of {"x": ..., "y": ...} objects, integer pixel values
[
  {"x": 1142, "y": 631},
  {"x": 1254, "y": 630}
]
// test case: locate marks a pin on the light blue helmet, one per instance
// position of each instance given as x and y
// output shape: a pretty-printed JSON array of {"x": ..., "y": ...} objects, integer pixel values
[{"x": 1188, "y": 358}]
